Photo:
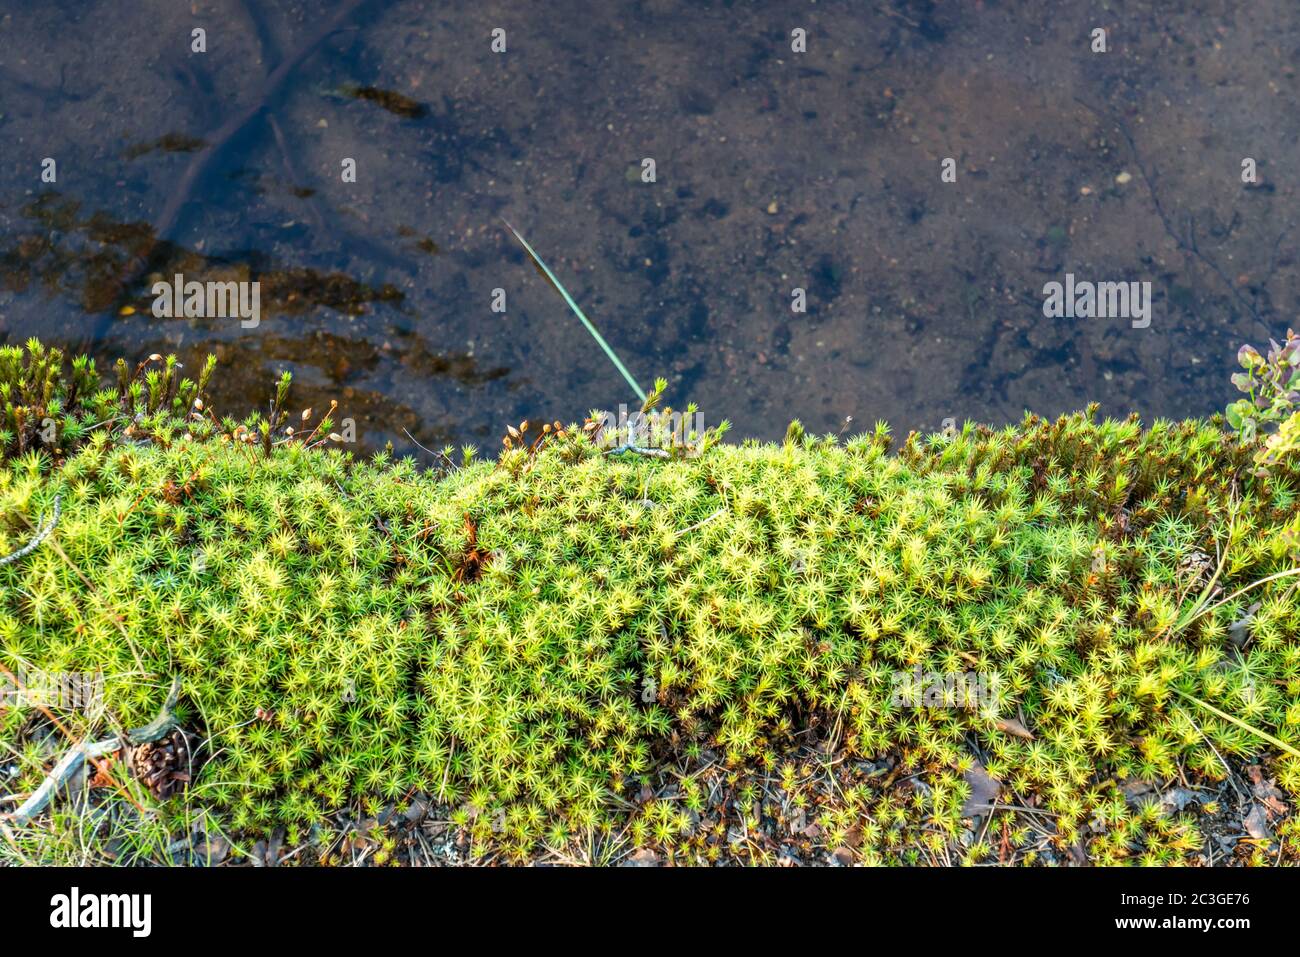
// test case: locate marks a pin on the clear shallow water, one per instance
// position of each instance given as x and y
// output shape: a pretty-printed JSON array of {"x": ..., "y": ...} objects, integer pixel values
[{"x": 775, "y": 170}]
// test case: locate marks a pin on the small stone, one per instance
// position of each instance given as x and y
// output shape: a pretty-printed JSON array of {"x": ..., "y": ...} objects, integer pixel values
[
  {"x": 772, "y": 208},
  {"x": 643, "y": 858},
  {"x": 1123, "y": 177}
]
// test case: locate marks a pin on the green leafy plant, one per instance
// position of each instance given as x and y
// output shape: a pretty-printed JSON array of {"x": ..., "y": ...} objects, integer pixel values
[
  {"x": 53, "y": 410},
  {"x": 1271, "y": 411}
]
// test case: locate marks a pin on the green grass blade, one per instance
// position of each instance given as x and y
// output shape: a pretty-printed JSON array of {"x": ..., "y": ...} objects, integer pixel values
[
  {"x": 600, "y": 340},
  {"x": 1239, "y": 723}
]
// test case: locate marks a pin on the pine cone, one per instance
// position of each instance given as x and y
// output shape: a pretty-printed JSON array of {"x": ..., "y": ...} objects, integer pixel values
[{"x": 163, "y": 766}]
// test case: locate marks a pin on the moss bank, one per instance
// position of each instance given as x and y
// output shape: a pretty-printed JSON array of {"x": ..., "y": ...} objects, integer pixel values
[{"x": 566, "y": 644}]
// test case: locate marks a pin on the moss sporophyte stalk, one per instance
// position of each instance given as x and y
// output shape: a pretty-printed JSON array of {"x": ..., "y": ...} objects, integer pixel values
[{"x": 568, "y": 649}]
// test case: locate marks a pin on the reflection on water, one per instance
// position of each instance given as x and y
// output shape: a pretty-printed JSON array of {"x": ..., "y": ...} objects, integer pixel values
[{"x": 775, "y": 171}]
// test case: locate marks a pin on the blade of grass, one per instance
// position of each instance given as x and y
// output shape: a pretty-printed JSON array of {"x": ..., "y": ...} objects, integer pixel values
[
  {"x": 1239, "y": 723},
  {"x": 1239, "y": 592},
  {"x": 640, "y": 393}
]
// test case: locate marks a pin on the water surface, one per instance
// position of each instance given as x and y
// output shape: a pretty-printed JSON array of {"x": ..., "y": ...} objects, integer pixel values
[{"x": 775, "y": 170}]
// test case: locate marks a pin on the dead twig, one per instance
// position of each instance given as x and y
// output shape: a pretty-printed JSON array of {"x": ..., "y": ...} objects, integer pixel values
[
  {"x": 441, "y": 455},
  {"x": 41, "y": 535},
  {"x": 700, "y": 524},
  {"x": 72, "y": 761}
]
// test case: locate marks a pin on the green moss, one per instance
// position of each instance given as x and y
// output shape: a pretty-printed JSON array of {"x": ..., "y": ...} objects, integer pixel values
[{"x": 532, "y": 640}]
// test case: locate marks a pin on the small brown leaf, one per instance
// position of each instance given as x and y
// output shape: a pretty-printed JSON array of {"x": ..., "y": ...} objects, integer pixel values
[
  {"x": 1256, "y": 824},
  {"x": 1078, "y": 854},
  {"x": 211, "y": 850},
  {"x": 983, "y": 791},
  {"x": 1012, "y": 726},
  {"x": 1134, "y": 790},
  {"x": 1275, "y": 804}
]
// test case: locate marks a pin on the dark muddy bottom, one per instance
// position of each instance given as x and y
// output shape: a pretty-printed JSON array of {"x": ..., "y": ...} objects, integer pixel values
[{"x": 774, "y": 170}]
